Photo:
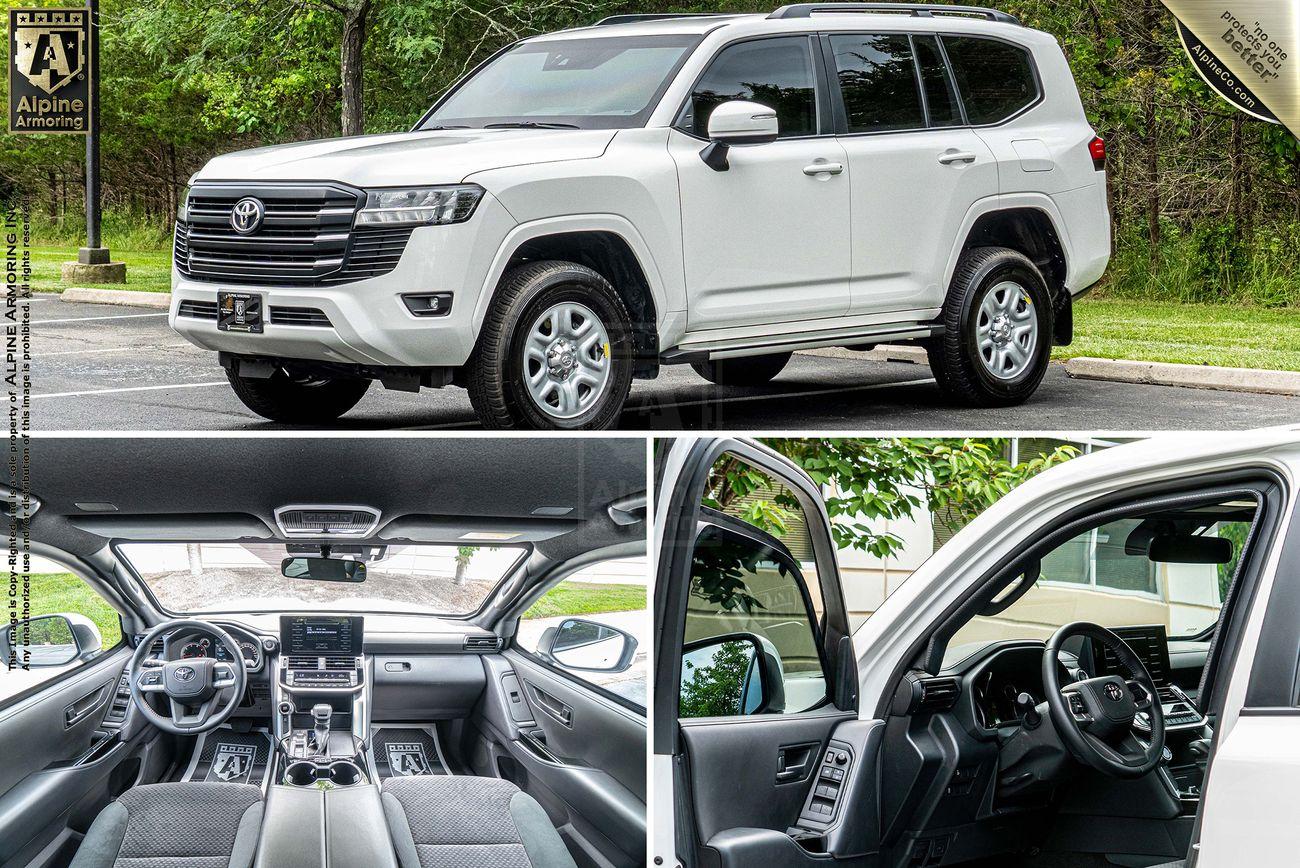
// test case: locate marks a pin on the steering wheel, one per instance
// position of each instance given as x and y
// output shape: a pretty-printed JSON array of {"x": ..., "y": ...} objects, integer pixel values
[
  {"x": 202, "y": 692},
  {"x": 1094, "y": 717}
]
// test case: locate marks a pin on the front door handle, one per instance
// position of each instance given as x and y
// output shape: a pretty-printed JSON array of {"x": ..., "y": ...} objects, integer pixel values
[
  {"x": 949, "y": 157},
  {"x": 823, "y": 168}
]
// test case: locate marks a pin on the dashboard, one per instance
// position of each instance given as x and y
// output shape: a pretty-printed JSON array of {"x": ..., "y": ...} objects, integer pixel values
[
  {"x": 1002, "y": 675},
  {"x": 196, "y": 644}
]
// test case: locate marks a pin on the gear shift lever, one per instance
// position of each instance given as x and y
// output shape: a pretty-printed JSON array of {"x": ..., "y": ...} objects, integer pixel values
[{"x": 320, "y": 715}]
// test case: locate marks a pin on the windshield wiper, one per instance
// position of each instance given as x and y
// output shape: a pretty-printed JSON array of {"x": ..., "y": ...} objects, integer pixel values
[
  {"x": 530, "y": 125},
  {"x": 447, "y": 127}
]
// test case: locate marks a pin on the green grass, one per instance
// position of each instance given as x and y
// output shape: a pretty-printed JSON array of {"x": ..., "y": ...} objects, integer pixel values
[
  {"x": 146, "y": 270},
  {"x": 588, "y": 598},
  {"x": 64, "y": 592},
  {"x": 1238, "y": 336}
]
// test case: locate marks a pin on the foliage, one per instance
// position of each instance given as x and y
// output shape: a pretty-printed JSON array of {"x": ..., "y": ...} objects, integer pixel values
[
  {"x": 872, "y": 479},
  {"x": 714, "y": 690},
  {"x": 588, "y": 598}
]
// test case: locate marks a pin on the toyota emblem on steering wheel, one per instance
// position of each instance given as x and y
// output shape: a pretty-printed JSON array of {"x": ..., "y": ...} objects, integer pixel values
[
  {"x": 184, "y": 673},
  {"x": 1113, "y": 693}
]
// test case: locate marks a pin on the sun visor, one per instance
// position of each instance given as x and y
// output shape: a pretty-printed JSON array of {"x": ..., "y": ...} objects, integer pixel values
[
  {"x": 467, "y": 530},
  {"x": 213, "y": 527}
]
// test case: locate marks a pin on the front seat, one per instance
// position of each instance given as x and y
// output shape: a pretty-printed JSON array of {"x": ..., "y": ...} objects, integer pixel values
[
  {"x": 192, "y": 825},
  {"x": 438, "y": 821}
]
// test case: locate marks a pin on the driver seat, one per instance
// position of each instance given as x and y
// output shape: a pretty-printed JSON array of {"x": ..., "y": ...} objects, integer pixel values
[{"x": 185, "y": 825}]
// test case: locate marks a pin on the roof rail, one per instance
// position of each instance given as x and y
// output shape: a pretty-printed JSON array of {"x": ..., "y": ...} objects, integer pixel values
[
  {"x": 921, "y": 10},
  {"x": 659, "y": 16}
]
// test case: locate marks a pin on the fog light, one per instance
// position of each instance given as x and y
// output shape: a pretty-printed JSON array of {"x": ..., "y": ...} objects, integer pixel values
[{"x": 428, "y": 303}]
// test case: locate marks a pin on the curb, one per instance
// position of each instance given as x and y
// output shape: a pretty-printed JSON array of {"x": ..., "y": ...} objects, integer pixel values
[
  {"x": 1187, "y": 376},
  {"x": 132, "y": 297}
]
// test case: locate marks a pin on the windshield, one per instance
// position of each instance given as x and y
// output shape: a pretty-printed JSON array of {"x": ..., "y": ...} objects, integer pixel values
[
  {"x": 246, "y": 577},
  {"x": 592, "y": 83}
]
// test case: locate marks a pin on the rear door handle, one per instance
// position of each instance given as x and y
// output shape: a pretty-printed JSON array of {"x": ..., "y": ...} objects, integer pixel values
[
  {"x": 949, "y": 157},
  {"x": 823, "y": 168}
]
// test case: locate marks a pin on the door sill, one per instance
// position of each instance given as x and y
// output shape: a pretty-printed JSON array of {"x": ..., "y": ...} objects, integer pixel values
[{"x": 840, "y": 331}]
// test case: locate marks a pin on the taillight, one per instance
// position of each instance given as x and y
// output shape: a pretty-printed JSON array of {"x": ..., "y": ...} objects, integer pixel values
[{"x": 1097, "y": 148}]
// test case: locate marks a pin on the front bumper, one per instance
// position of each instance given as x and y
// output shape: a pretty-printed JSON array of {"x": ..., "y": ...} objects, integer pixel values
[{"x": 368, "y": 322}]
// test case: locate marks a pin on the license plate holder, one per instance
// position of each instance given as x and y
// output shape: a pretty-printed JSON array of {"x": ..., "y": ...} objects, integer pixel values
[{"x": 239, "y": 312}]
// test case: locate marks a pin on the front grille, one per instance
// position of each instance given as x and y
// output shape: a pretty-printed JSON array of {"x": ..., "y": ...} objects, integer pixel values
[
  {"x": 305, "y": 239},
  {"x": 299, "y": 316},
  {"x": 198, "y": 309}
]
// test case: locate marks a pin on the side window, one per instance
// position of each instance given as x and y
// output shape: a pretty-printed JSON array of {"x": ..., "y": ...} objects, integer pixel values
[
  {"x": 939, "y": 93},
  {"x": 995, "y": 79},
  {"x": 70, "y": 625},
  {"x": 595, "y": 626},
  {"x": 754, "y": 612},
  {"x": 878, "y": 79},
  {"x": 777, "y": 73}
]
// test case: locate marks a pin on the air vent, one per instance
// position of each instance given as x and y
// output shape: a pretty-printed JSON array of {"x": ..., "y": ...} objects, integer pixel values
[
  {"x": 197, "y": 309},
  {"x": 936, "y": 694},
  {"x": 482, "y": 643},
  {"x": 156, "y": 647},
  {"x": 296, "y": 522},
  {"x": 302, "y": 663},
  {"x": 345, "y": 664}
]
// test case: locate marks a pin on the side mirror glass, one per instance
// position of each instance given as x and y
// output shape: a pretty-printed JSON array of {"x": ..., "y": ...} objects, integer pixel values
[
  {"x": 576, "y": 643},
  {"x": 736, "y": 674},
  {"x": 741, "y": 122},
  {"x": 50, "y": 640},
  {"x": 323, "y": 569}
]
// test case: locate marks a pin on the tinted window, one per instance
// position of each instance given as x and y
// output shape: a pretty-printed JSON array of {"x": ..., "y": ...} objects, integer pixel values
[
  {"x": 995, "y": 79},
  {"x": 939, "y": 94},
  {"x": 777, "y": 73},
  {"x": 878, "y": 80}
]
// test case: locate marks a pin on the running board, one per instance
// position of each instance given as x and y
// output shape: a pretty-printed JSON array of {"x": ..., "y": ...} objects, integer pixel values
[{"x": 753, "y": 346}]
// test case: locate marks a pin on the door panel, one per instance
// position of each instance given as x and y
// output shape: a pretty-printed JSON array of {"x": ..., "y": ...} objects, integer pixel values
[
  {"x": 764, "y": 242},
  {"x": 589, "y": 773},
  {"x": 53, "y": 767}
]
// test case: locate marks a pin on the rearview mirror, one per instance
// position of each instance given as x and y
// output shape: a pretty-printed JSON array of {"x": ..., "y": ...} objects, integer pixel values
[
  {"x": 323, "y": 569},
  {"x": 738, "y": 122},
  {"x": 586, "y": 645},
  {"x": 735, "y": 674},
  {"x": 50, "y": 640},
  {"x": 1177, "y": 548}
]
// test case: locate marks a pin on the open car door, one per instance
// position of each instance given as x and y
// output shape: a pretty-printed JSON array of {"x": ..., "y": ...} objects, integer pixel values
[{"x": 759, "y": 755}]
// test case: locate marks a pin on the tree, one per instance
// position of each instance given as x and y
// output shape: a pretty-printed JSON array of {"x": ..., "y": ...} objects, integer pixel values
[
  {"x": 872, "y": 479},
  {"x": 713, "y": 690},
  {"x": 464, "y": 554}
]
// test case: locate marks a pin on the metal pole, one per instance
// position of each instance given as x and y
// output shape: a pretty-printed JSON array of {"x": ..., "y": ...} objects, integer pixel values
[{"x": 92, "y": 141}]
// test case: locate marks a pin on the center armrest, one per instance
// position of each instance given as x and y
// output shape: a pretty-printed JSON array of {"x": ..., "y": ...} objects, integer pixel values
[{"x": 305, "y": 827}]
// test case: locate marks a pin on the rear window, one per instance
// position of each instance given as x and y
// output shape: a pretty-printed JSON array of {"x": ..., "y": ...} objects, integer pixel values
[
  {"x": 995, "y": 79},
  {"x": 878, "y": 81}
]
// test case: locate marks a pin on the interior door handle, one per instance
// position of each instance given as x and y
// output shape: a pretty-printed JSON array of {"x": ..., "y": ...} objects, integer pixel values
[
  {"x": 949, "y": 157},
  {"x": 553, "y": 707},
  {"x": 793, "y": 762},
  {"x": 815, "y": 169}
]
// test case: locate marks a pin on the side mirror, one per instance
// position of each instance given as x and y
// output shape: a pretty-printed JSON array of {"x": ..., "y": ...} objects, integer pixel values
[
  {"x": 587, "y": 646},
  {"x": 323, "y": 569},
  {"x": 738, "y": 122},
  {"x": 50, "y": 640},
  {"x": 735, "y": 674}
]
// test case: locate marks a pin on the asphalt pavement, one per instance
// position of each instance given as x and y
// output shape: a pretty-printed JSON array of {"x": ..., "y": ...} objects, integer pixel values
[{"x": 110, "y": 367}]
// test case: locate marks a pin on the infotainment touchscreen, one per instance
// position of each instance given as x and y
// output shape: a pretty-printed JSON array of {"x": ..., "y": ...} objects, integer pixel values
[
  {"x": 320, "y": 634},
  {"x": 1149, "y": 643}
]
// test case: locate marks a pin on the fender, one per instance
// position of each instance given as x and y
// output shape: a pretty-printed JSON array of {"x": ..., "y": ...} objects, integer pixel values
[
  {"x": 1005, "y": 202},
  {"x": 665, "y": 298}
]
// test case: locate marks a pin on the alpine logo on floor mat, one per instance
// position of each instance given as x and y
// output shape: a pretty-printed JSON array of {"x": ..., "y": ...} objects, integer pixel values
[
  {"x": 231, "y": 764},
  {"x": 407, "y": 759}
]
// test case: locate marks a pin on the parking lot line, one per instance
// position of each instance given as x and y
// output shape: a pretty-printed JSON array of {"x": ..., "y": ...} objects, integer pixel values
[
  {"x": 113, "y": 350},
  {"x": 93, "y": 318},
  {"x": 129, "y": 389}
]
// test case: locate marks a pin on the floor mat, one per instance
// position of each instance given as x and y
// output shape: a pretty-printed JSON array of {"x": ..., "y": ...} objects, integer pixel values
[
  {"x": 226, "y": 756},
  {"x": 406, "y": 751}
]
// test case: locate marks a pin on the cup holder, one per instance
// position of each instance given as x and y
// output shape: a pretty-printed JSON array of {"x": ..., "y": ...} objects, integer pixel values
[
  {"x": 300, "y": 774},
  {"x": 344, "y": 774}
]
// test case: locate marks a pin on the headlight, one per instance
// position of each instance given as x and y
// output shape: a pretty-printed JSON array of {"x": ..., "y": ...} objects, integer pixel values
[
  {"x": 183, "y": 205},
  {"x": 419, "y": 206}
]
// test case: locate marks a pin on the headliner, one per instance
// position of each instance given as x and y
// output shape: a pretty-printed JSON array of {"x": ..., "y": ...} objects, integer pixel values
[{"x": 429, "y": 482}]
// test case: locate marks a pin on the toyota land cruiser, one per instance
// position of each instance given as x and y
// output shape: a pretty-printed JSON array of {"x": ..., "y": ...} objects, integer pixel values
[{"x": 715, "y": 190}]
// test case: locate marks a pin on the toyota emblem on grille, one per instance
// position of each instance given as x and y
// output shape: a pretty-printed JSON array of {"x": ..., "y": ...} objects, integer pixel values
[
  {"x": 184, "y": 673},
  {"x": 246, "y": 216},
  {"x": 1113, "y": 693}
]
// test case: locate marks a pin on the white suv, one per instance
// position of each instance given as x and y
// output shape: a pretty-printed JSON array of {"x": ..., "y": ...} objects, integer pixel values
[{"x": 716, "y": 190}]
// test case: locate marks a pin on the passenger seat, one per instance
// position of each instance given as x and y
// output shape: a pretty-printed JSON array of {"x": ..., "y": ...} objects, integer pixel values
[{"x": 439, "y": 821}]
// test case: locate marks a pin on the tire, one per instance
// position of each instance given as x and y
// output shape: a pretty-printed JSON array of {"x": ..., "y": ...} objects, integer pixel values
[
  {"x": 745, "y": 371},
  {"x": 970, "y": 361},
  {"x": 582, "y": 391},
  {"x": 298, "y": 402}
]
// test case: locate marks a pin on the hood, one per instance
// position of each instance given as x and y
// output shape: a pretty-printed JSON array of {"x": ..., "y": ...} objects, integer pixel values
[{"x": 394, "y": 159}]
